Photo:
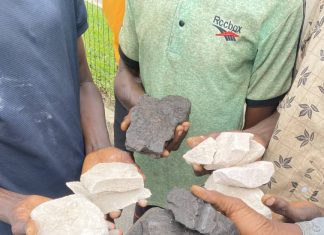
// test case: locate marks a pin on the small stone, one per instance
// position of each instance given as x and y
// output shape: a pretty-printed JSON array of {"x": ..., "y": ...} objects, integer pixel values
[
  {"x": 71, "y": 215},
  {"x": 227, "y": 150},
  {"x": 111, "y": 201},
  {"x": 113, "y": 177},
  {"x": 153, "y": 123},
  {"x": 157, "y": 221},
  {"x": 251, "y": 175},
  {"x": 197, "y": 215},
  {"x": 252, "y": 197}
]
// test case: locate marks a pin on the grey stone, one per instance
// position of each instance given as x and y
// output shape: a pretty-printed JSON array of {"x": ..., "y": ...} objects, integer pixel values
[
  {"x": 197, "y": 215},
  {"x": 153, "y": 123},
  {"x": 157, "y": 221}
]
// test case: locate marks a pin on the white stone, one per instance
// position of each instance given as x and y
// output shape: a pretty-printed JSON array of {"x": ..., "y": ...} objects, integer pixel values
[
  {"x": 113, "y": 177},
  {"x": 71, "y": 215},
  {"x": 251, "y": 175},
  {"x": 111, "y": 201},
  {"x": 227, "y": 150},
  {"x": 252, "y": 197}
]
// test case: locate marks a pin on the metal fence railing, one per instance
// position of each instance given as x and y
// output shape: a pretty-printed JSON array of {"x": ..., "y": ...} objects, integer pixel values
[{"x": 98, "y": 43}]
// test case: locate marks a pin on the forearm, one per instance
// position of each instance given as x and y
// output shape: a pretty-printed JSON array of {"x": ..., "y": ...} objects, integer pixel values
[
  {"x": 265, "y": 128},
  {"x": 8, "y": 200},
  {"x": 128, "y": 86},
  {"x": 93, "y": 118}
]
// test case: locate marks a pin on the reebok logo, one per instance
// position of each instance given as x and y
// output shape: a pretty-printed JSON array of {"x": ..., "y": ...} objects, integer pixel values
[{"x": 227, "y": 29}]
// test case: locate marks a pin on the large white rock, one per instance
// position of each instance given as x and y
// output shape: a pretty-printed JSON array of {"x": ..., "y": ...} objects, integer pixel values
[
  {"x": 71, "y": 215},
  {"x": 111, "y": 201},
  {"x": 228, "y": 149},
  {"x": 252, "y": 197},
  {"x": 251, "y": 175},
  {"x": 113, "y": 177}
]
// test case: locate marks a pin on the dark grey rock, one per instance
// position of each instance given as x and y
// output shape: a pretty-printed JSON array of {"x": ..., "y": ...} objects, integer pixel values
[
  {"x": 157, "y": 221},
  {"x": 197, "y": 215},
  {"x": 153, "y": 123}
]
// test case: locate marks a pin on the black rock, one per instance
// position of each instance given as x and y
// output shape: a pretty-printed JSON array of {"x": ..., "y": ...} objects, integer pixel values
[
  {"x": 197, "y": 215},
  {"x": 153, "y": 122},
  {"x": 157, "y": 221}
]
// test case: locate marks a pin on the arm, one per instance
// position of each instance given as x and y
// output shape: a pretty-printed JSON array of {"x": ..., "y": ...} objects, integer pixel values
[
  {"x": 128, "y": 86},
  {"x": 91, "y": 106},
  {"x": 254, "y": 115}
]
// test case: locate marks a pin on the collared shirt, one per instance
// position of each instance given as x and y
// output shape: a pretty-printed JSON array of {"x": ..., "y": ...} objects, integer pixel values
[
  {"x": 297, "y": 145},
  {"x": 219, "y": 54},
  {"x": 41, "y": 142}
]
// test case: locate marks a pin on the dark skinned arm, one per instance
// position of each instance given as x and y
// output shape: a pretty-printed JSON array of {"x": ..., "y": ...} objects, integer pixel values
[
  {"x": 254, "y": 115},
  {"x": 91, "y": 105}
]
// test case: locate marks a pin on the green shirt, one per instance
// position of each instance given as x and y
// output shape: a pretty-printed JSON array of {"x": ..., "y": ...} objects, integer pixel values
[{"x": 220, "y": 54}]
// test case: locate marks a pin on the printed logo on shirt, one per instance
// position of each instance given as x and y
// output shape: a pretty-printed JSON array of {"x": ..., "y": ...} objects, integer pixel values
[{"x": 227, "y": 29}]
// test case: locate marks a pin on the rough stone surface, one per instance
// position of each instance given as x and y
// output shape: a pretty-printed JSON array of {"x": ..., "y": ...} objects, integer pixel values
[
  {"x": 110, "y": 201},
  {"x": 71, "y": 215},
  {"x": 252, "y": 197},
  {"x": 159, "y": 221},
  {"x": 153, "y": 123},
  {"x": 251, "y": 175},
  {"x": 227, "y": 150},
  {"x": 197, "y": 215},
  {"x": 113, "y": 177}
]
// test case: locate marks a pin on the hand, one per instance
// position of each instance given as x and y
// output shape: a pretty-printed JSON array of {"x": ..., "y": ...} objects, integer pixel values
[
  {"x": 173, "y": 145},
  {"x": 194, "y": 141},
  {"x": 246, "y": 219},
  {"x": 293, "y": 211},
  {"x": 19, "y": 217},
  {"x": 108, "y": 155}
]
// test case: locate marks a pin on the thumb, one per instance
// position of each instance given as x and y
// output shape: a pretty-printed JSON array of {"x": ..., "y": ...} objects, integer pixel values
[
  {"x": 194, "y": 141},
  {"x": 126, "y": 122},
  {"x": 227, "y": 205}
]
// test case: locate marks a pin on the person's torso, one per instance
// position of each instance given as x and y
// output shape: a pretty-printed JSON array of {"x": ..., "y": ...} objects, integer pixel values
[{"x": 41, "y": 144}]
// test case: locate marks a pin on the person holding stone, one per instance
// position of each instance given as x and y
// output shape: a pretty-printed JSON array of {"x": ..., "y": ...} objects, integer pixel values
[
  {"x": 294, "y": 134},
  {"x": 218, "y": 54},
  {"x": 51, "y": 112},
  {"x": 305, "y": 218}
]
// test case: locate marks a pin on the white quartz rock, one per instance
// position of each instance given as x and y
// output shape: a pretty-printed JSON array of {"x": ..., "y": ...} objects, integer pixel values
[
  {"x": 251, "y": 175},
  {"x": 252, "y": 197},
  {"x": 71, "y": 215},
  {"x": 228, "y": 149},
  {"x": 111, "y": 201},
  {"x": 113, "y": 177}
]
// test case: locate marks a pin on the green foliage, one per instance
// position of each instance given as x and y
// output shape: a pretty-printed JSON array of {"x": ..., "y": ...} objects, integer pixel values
[{"x": 98, "y": 42}]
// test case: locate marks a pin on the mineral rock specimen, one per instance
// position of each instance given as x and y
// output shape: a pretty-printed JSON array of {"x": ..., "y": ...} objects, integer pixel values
[
  {"x": 251, "y": 175},
  {"x": 115, "y": 177},
  {"x": 71, "y": 215},
  {"x": 153, "y": 122},
  {"x": 252, "y": 197},
  {"x": 227, "y": 150},
  {"x": 197, "y": 215},
  {"x": 111, "y": 201},
  {"x": 158, "y": 221},
  {"x": 111, "y": 186}
]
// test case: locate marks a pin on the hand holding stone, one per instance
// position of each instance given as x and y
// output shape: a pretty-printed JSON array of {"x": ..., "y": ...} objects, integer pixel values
[
  {"x": 296, "y": 211},
  {"x": 246, "y": 219},
  {"x": 19, "y": 216}
]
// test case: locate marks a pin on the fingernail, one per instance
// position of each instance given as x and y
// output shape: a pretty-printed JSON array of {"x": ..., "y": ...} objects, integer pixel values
[{"x": 270, "y": 201}]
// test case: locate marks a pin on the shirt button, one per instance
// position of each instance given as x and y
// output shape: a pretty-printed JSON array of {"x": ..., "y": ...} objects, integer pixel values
[{"x": 181, "y": 23}]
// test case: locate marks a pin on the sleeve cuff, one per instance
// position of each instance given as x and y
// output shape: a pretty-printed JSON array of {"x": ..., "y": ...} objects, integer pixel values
[
  {"x": 129, "y": 62},
  {"x": 265, "y": 103}
]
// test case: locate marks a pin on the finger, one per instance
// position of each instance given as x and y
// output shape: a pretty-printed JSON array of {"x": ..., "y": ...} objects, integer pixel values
[
  {"x": 110, "y": 225},
  {"x": 125, "y": 123},
  {"x": 176, "y": 141},
  {"x": 142, "y": 203},
  {"x": 186, "y": 126},
  {"x": 194, "y": 141},
  {"x": 166, "y": 153},
  {"x": 227, "y": 205},
  {"x": 277, "y": 204},
  {"x": 115, "y": 214},
  {"x": 31, "y": 228},
  {"x": 200, "y": 170}
]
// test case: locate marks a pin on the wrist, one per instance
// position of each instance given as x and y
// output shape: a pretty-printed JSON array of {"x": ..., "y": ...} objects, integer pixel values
[{"x": 8, "y": 203}]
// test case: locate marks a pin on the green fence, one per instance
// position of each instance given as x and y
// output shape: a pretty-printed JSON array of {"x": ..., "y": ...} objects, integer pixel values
[{"x": 98, "y": 43}]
